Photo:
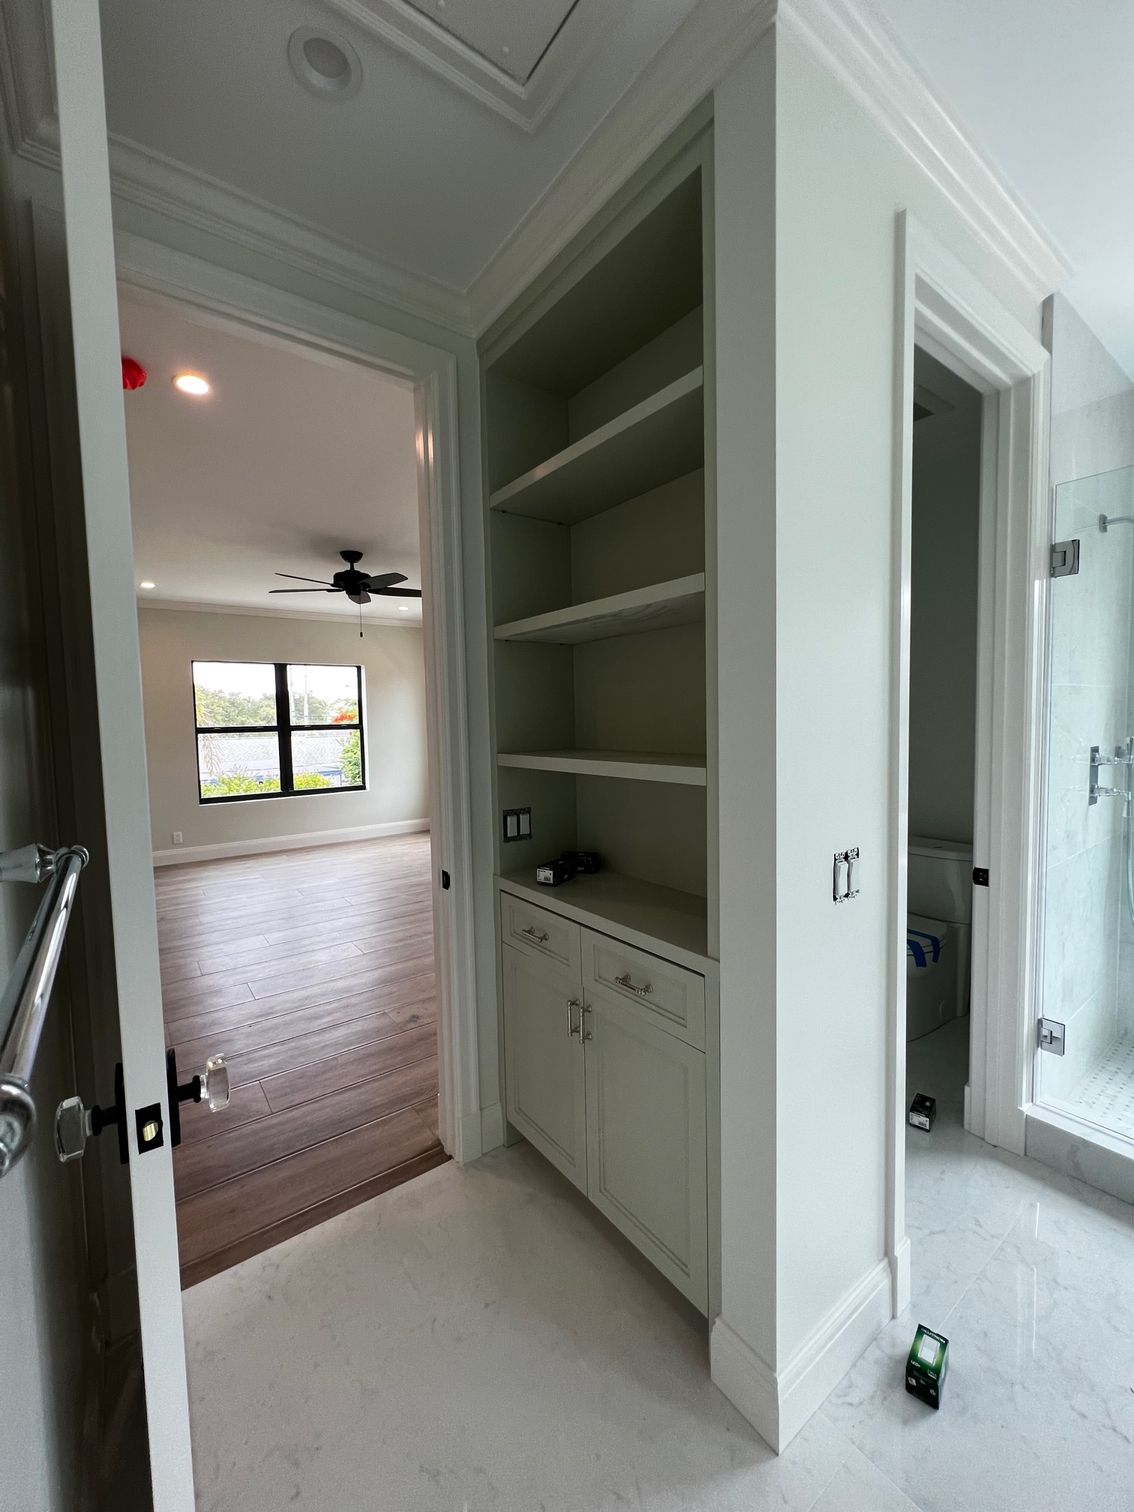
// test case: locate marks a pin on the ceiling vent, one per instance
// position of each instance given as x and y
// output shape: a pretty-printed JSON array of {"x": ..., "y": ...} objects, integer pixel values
[{"x": 325, "y": 64}]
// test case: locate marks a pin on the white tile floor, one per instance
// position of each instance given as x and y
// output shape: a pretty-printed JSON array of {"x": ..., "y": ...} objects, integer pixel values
[{"x": 479, "y": 1339}]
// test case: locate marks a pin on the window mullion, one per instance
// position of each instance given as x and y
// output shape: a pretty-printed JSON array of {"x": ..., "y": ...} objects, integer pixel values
[{"x": 283, "y": 722}]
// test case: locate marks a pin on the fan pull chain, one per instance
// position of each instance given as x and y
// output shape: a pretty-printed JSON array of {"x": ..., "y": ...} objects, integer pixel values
[{"x": 360, "y": 621}]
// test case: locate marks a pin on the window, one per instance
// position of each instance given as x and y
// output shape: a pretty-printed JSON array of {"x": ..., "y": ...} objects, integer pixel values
[{"x": 276, "y": 730}]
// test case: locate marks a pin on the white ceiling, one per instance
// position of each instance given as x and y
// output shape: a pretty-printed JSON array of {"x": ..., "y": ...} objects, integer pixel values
[
  {"x": 1044, "y": 87},
  {"x": 291, "y": 458},
  {"x": 412, "y": 170}
]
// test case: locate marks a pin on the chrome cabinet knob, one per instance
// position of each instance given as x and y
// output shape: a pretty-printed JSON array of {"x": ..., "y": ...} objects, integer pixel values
[{"x": 215, "y": 1089}]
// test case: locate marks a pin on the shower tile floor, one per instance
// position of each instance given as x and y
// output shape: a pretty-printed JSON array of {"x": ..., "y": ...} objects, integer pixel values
[
  {"x": 479, "y": 1340},
  {"x": 1105, "y": 1096}
]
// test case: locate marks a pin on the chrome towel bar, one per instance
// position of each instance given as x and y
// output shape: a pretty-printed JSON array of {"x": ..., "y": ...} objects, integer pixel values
[{"x": 23, "y": 1006}]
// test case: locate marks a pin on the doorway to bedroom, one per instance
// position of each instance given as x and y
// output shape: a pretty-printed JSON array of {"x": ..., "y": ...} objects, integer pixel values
[{"x": 275, "y": 502}]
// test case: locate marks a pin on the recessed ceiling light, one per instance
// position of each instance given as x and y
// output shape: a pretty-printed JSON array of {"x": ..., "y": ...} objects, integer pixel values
[
  {"x": 192, "y": 383},
  {"x": 403, "y": 608},
  {"x": 324, "y": 63},
  {"x": 146, "y": 584}
]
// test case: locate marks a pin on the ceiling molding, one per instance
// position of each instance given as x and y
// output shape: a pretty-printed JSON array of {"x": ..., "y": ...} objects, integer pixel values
[
  {"x": 142, "y": 177},
  {"x": 349, "y": 621},
  {"x": 687, "y": 68},
  {"x": 526, "y": 105},
  {"x": 857, "y": 47}
]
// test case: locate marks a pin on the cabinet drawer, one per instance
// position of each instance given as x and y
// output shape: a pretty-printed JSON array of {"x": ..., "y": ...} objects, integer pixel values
[
  {"x": 538, "y": 930},
  {"x": 670, "y": 996}
]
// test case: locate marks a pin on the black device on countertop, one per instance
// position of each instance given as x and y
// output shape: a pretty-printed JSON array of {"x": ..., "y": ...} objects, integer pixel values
[{"x": 565, "y": 866}]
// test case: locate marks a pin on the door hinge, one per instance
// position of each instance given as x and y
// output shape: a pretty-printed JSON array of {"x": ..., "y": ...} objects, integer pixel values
[
  {"x": 446, "y": 881},
  {"x": 1065, "y": 558},
  {"x": 1052, "y": 1036},
  {"x": 980, "y": 876}
]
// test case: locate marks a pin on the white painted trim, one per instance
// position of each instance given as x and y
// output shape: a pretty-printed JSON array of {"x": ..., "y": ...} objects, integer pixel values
[
  {"x": 181, "y": 855},
  {"x": 858, "y": 48},
  {"x": 680, "y": 76},
  {"x": 218, "y": 295},
  {"x": 194, "y": 606},
  {"x": 852, "y": 45},
  {"x": 779, "y": 1403},
  {"x": 524, "y": 104},
  {"x": 492, "y": 1126},
  {"x": 944, "y": 309},
  {"x": 141, "y": 176}
]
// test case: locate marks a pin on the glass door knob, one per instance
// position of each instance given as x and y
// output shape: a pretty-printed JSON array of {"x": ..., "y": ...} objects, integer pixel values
[{"x": 215, "y": 1089}]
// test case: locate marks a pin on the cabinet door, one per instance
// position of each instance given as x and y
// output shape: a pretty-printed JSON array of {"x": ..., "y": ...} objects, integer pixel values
[
  {"x": 646, "y": 1140},
  {"x": 543, "y": 1061}
]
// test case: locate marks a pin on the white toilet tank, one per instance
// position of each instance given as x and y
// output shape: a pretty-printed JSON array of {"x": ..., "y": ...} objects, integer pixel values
[{"x": 940, "y": 879}]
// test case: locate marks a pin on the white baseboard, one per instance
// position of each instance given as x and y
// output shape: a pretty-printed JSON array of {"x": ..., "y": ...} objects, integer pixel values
[
  {"x": 491, "y": 1127},
  {"x": 900, "y": 1278},
  {"x": 778, "y": 1403},
  {"x": 183, "y": 853}
]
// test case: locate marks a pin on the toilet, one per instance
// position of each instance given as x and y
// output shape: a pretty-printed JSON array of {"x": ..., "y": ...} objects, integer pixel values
[{"x": 938, "y": 933}]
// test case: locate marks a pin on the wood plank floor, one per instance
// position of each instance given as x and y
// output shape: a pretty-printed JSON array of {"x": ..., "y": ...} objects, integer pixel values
[{"x": 313, "y": 972}]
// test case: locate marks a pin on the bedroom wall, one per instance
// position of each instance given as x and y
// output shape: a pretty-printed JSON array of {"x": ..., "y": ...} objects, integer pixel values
[{"x": 393, "y": 666}]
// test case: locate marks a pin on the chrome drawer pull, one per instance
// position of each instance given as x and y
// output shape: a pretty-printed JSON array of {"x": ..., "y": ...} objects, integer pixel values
[
  {"x": 541, "y": 937},
  {"x": 572, "y": 1026},
  {"x": 624, "y": 981}
]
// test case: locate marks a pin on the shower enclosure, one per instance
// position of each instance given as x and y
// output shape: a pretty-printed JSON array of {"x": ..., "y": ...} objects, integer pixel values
[{"x": 1087, "y": 981}]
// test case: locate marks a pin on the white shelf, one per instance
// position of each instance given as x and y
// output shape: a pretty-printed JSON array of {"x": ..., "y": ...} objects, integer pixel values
[
  {"x": 658, "y": 919},
  {"x": 660, "y": 439},
  {"x": 678, "y": 602},
  {"x": 637, "y": 766}
]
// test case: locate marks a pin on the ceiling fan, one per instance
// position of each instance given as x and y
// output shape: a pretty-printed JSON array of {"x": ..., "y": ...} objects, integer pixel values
[{"x": 359, "y": 587}]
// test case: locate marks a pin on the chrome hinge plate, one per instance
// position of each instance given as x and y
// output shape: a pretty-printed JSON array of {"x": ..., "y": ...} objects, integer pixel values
[
  {"x": 1065, "y": 558},
  {"x": 1052, "y": 1036}
]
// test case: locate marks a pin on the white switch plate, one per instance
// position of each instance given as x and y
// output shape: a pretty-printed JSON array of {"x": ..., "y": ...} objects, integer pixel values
[{"x": 178, "y": 837}]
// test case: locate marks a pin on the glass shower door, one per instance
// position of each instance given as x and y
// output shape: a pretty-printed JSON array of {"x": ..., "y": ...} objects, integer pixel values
[{"x": 1087, "y": 981}]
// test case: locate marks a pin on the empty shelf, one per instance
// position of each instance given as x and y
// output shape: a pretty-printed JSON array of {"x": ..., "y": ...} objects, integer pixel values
[
  {"x": 638, "y": 766},
  {"x": 651, "y": 917},
  {"x": 678, "y": 602},
  {"x": 659, "y": 439}
]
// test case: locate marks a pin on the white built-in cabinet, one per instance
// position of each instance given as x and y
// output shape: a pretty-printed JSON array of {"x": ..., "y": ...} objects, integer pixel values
[
  {"x": 606, "y": 1076},
  {"x": 597, "y": 395}
]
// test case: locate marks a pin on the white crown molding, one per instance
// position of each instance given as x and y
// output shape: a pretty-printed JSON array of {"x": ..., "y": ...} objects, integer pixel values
[
  {"x": 858, "y": 48},
  {"x": 686, "y": 69},
  {"x": 148, "y": 179},
  {"x": 196, "y": 606},
  {"x": 525, "y": 104}
]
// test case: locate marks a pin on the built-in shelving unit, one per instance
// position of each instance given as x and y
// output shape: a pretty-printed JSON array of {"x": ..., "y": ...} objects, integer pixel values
[
  {"x": 631, "y": 766},
  {"x": 597, "y": 396},
  {"x": 678, "y": 602},
  {"x": 661, "y": 438}
]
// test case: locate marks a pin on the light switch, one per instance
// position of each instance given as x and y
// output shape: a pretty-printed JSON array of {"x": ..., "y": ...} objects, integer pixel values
[{"x": 517, "y": 824}]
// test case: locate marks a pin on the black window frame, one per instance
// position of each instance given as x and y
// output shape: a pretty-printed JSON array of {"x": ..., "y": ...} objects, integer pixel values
[{"x": 283, "y": 730}]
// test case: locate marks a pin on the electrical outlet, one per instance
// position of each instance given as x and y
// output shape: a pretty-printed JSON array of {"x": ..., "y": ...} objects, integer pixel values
[
  {"x": 178, "y": 837},
  {"x": 517, "y": 825}
]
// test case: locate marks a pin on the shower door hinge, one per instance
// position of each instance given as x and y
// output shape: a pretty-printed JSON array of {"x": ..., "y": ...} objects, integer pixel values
[
  {"x": 1065, "y": 558},
  {"x": 1052, "y": 1036}
]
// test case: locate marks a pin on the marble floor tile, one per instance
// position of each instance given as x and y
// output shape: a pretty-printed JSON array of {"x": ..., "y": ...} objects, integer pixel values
[
  {"x": 480, "y": 1340},
  {"x": 477, "y": 1339}
]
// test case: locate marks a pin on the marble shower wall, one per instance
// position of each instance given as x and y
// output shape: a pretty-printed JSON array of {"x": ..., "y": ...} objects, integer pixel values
[{"x": 1090, "y": 699}]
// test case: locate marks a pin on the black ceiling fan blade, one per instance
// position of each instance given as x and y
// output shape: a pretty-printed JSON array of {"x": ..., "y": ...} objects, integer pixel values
[
  {"x": 294, "y": 576},
  {"x": 384, "y": 580},
  {"x": 305, "y": 590},
  {"x": 397, "y": 592},
  {"x": 361, "y": 597}
]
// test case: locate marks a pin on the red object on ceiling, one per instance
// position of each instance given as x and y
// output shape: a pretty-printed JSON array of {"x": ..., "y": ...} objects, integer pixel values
[{"x": 134, "y": 374}]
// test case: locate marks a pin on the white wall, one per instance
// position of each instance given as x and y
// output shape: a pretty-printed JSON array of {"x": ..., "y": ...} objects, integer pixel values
[
  {"x": 943, "y": 613},
  {"x": 807, "y": 652},
  {"x": 394, "y": 701}
]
